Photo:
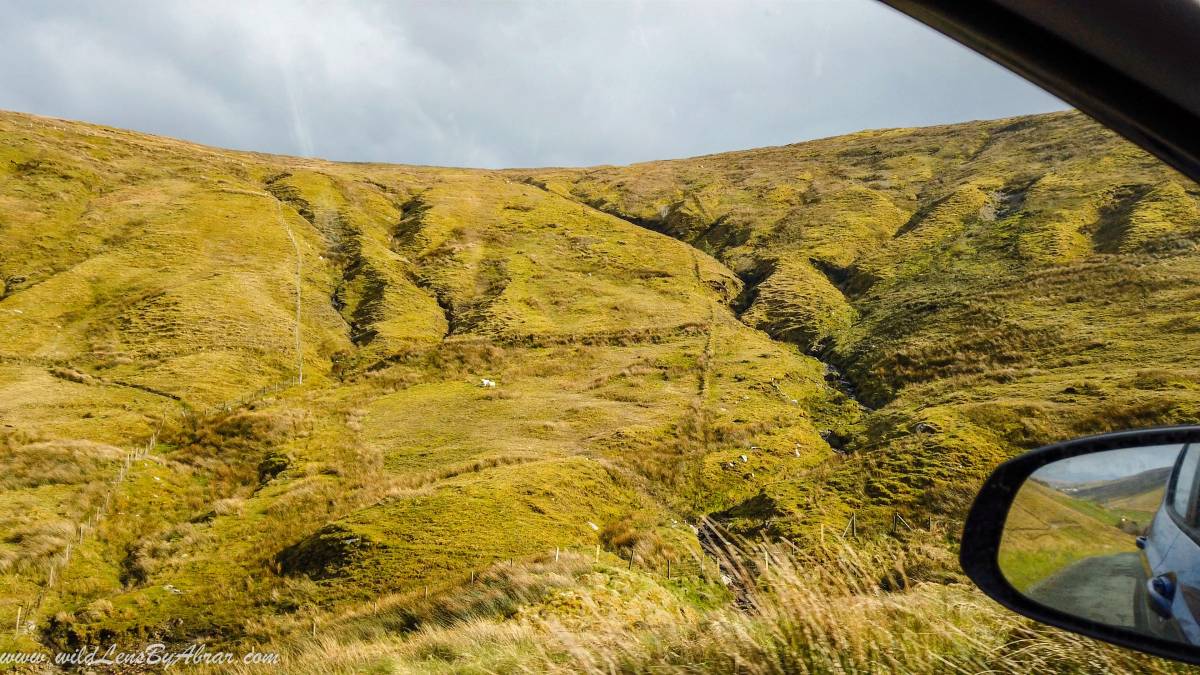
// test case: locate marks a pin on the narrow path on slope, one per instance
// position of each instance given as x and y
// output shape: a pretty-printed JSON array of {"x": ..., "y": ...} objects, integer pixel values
[
  {"x": 299, "y": 272},
  {"x": 299, "y": 285}
]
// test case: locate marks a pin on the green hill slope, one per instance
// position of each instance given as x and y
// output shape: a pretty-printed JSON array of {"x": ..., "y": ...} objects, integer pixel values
[
  {"x": 985, "y": 286},
  {"x": 776, "y": 339},
  {"x": 1146, "y": 488}
]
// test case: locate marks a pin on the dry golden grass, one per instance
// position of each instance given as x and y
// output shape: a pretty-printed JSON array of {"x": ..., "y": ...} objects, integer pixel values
[{"x": 823, "y": 611}]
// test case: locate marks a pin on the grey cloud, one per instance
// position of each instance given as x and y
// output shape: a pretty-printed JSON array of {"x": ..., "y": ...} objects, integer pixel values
[{"x": 496, "y": 84}]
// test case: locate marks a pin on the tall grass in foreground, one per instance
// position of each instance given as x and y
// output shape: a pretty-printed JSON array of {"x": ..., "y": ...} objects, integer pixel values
[{"x": 817, "y": 612}]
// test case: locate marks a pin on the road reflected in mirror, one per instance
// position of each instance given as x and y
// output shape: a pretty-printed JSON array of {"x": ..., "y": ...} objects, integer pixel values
[{"x": 1112, "y": 537}]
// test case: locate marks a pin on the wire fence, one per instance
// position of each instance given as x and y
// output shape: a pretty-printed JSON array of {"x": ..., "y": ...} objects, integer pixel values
[
  {"x": 27, "y": 613},
  {"x": 188, "y": 416}
]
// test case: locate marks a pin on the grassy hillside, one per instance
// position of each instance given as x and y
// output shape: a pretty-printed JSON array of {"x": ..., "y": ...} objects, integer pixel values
[
  {"x": 1141, "y": 487},
  {"x": 244, "y": 399},
  {"x": 985, "y": 287}
]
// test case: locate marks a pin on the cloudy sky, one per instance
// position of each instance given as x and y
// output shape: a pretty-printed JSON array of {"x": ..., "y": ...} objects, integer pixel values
[
  {"x": 495, "y": 84},
  {"x": 1110, "y": 465}
]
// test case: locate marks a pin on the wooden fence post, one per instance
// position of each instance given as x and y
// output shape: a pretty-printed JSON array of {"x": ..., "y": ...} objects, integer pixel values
[{"x": 851, "y": 527}]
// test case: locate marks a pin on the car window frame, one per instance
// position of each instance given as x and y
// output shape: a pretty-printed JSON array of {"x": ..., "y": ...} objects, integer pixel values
[{"x": 1185, "y": 522}]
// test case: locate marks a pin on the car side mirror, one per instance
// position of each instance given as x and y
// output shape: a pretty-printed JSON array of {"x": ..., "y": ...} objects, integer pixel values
[{"x": 1099, "y": 536}]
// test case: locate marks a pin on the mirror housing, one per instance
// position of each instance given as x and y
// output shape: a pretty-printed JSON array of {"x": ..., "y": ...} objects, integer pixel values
[{"x": 983, "y": 534}]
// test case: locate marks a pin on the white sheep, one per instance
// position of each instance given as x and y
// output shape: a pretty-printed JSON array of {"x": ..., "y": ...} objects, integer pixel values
[{"x": 486, "y": 383}]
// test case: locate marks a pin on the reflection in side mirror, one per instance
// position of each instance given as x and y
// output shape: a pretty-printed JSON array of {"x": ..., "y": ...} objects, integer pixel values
[
  {"x": 1100, "y": 536},
  {"x": 1070, "y": 541}
]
